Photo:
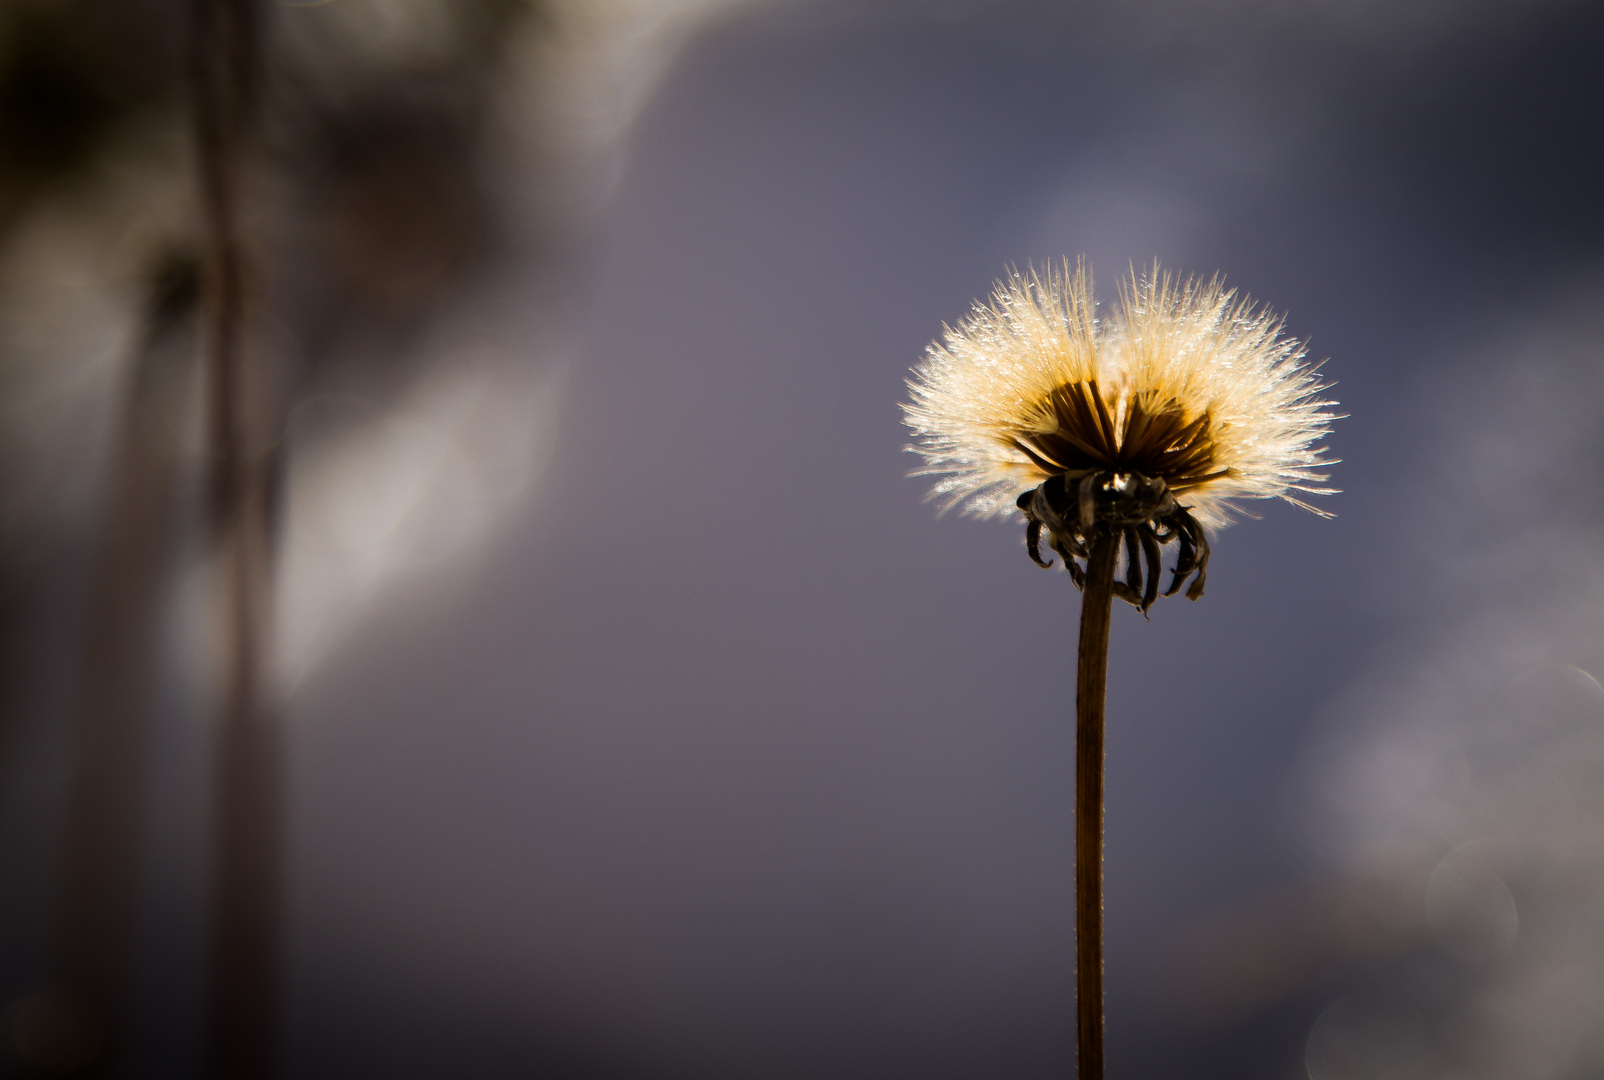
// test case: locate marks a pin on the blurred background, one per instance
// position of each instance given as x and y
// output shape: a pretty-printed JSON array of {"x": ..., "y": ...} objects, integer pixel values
[{"x": 638, "y": 718}]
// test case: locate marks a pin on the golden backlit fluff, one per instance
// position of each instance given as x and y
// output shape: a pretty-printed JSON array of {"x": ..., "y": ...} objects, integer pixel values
[{"x": 1183, "y": 382}]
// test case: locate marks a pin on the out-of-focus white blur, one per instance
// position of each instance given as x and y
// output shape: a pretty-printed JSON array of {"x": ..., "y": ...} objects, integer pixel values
[
  {"x": 374, "y": 500},
  {"x": 1474, "y": 755}
]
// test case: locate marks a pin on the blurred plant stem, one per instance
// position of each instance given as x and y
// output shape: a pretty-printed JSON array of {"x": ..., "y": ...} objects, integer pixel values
[
  {"x": 110, "y": 741},
  {"x": 242, "y": 451},
  {"x": 1091, "y": 690}
]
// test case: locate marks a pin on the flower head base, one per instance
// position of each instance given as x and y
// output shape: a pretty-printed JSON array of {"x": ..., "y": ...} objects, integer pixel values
[
  {"x": 1148, "y": 425},
  {"x": 1076, "y": 508}
]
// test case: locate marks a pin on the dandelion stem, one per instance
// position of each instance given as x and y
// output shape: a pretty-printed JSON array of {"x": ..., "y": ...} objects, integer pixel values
[
  {"x": 246, "y": 871},
  {"x": 1091, "y": 684}
]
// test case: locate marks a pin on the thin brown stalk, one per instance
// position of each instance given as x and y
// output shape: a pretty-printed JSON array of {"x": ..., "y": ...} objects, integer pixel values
[
  {"x": 1091, "y": 685},
  {"x": 115, "y": 696},
  {"x": 245, "y": 930}
]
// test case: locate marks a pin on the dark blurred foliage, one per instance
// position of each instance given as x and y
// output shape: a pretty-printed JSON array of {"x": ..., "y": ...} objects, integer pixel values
[
  {"x": 363, "y": 209},
  {"x": 71, "y": 73},
  {"x": 367, "y": 206},
  {"x": 387, "y": 211}
]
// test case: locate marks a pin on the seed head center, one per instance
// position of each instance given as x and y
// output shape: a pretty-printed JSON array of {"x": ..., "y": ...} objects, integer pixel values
[{"x": 1076, "y": 430}]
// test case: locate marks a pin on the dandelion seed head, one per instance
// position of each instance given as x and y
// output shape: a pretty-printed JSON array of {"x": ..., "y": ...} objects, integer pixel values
[{"x": 1183, "y": 382}]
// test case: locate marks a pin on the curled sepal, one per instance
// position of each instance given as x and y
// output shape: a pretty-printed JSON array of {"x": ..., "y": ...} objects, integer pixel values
[{"x": 1075, "y": 508}]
